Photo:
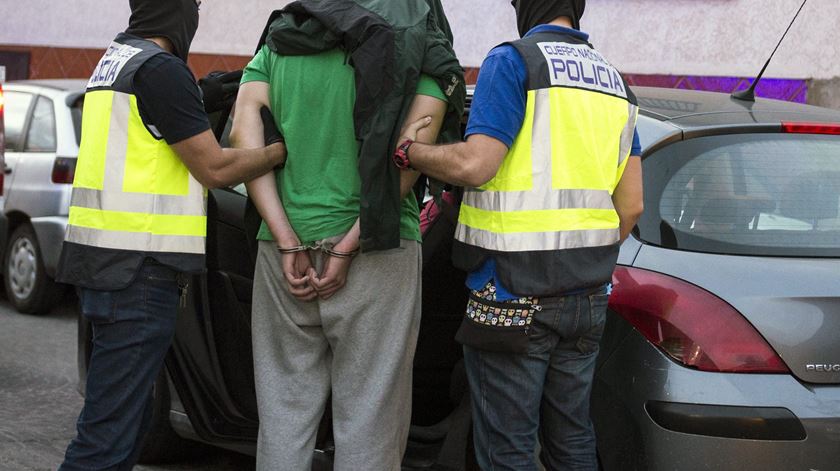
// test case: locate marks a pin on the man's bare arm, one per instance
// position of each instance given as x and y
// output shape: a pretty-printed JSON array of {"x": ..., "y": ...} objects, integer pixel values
[
  {"x": 247, "y": 133},
  {"x": 215, "y": 167},
  {"x": 471, "y": 164},
  {"x": 628, "y": 196},
  {"x": 422, "y": 106}
]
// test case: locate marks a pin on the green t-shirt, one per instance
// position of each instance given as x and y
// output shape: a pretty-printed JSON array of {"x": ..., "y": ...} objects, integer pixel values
[{"x": 312, "y": 99}]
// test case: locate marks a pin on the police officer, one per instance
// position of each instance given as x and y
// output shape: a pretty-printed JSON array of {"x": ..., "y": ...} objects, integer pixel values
[
  {"x": 552, "y": 186},
  {"x": 137, "y": 219}
]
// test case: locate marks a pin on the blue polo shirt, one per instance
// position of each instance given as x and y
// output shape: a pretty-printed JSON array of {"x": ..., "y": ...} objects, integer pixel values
[{"x": 498, "y": 110}]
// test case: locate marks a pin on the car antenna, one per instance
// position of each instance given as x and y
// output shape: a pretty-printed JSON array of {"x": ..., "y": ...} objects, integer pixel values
[{"x": 749, "y": 94}]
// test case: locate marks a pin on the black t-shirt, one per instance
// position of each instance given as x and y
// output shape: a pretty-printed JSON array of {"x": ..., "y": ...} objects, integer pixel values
[{"x": 169, "y": 99}]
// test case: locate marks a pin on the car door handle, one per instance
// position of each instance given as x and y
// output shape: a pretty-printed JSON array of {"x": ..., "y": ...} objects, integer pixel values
[{"x": 7, "y": 170}]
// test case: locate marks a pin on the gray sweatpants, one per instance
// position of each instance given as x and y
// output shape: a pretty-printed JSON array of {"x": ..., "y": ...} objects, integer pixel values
[{"x": 357, "y": 346}]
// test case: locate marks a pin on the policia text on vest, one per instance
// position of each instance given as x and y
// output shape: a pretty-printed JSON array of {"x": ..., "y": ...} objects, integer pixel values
[{"x": 580, "y": 65}]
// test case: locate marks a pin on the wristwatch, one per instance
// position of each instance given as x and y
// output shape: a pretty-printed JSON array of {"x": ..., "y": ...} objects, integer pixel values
[{"x": 401, "y": 155}]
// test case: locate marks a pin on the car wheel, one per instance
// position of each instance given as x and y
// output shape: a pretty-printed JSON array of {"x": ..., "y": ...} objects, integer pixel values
[
  {"x": 28, "y": 287},
  {"x": 161, "y": 443}
]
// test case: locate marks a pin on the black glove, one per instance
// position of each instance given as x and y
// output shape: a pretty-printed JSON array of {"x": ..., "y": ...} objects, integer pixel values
[
  {"x": 271, "y": 134},
  {"x": 219, "y": 90}
]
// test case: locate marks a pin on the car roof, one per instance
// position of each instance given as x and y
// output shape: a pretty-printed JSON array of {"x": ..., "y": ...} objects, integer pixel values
[
  {"x": 69, "y": 90},
  {"x": 689, "y": 109},
  {"x": 55, "y": 84},
  {"x": 668, "y": 115}
]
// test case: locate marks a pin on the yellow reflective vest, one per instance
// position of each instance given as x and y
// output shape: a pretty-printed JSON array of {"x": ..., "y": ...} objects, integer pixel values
[
  {"x": 131, "y": 193},
  {"x": 547, "y": 217}
]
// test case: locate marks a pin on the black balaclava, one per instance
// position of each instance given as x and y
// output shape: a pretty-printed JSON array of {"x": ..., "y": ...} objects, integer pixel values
[
  {"x": 530, "y": 13},
  {"x": 175, "y": 20}
]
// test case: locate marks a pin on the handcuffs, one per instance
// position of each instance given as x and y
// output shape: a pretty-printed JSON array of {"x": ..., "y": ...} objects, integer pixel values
[{"x": 324, "y": 249}]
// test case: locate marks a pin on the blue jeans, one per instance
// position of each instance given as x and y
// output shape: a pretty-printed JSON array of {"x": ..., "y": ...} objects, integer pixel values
[
  {"x": 132, "y": 331},
  {"x": 544, "y": 393}
]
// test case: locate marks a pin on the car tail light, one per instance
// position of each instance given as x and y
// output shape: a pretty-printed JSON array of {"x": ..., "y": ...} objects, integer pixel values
[
  {"x": 690, "y": 324},
  {"x": 811, "y": 128},
  {"x": 64, "y": 169}
]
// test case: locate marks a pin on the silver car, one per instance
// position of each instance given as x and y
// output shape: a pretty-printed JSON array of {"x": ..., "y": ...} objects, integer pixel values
[
  {"x": 43, "y": 130},
  {"x": 722, "y": 345}
]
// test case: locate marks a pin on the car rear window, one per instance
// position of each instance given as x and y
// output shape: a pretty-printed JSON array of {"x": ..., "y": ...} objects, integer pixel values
[
  {"x": 751, "y": 194},
  {"x": 76, "y": 113},
  {"x": 15, "y": 110},
  {"x": 41, "y": 134}
]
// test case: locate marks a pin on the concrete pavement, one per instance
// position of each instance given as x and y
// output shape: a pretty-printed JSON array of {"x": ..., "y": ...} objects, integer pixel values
[{"x": 39, "y": 402}]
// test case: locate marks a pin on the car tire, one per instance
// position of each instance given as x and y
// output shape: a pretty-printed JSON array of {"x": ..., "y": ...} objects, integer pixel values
[
  {"x": 162, "y": 444},
  {"x": 28, "y": 287}
]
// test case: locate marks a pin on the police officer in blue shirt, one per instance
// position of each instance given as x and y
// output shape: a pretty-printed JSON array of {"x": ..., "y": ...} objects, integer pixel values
[{"x": 552, "y": 179}]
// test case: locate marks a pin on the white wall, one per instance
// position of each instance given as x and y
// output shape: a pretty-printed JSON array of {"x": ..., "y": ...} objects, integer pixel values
[
  {"x": 684, "y": 37},
  {"x": 697, "y": 37},
  {"x": 717, "y": 37},
  {"x": 478, "y": 26},
  {"x": 225, "y": 27}
]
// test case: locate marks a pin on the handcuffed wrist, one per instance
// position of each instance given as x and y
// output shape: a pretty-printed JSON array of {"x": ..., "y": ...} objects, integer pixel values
[
  {"x": 340, "y": 254},
  {"x": 325, "y": 250}
]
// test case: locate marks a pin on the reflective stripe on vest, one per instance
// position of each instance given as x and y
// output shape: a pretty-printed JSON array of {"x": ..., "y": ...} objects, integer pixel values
[
  {"x": 131, "y": 191},
  {"x": 554, "y": 188}
]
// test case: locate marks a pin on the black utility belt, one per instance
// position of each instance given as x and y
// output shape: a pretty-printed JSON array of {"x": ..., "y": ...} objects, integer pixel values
[
  {"x": 503, "y": 326},
  {"x": 498, "y": 326}
]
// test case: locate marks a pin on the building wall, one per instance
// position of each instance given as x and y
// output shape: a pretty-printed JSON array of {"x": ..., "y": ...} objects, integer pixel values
[
  {"x": 825, "y": 93},
  {"x": 45, "y": 62},
  {"x": 710, "y": 37},
  {"x": 226, "y": 27},
  {"x": 679, "y": 37},
  {"x": 654, "y": 41}
]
